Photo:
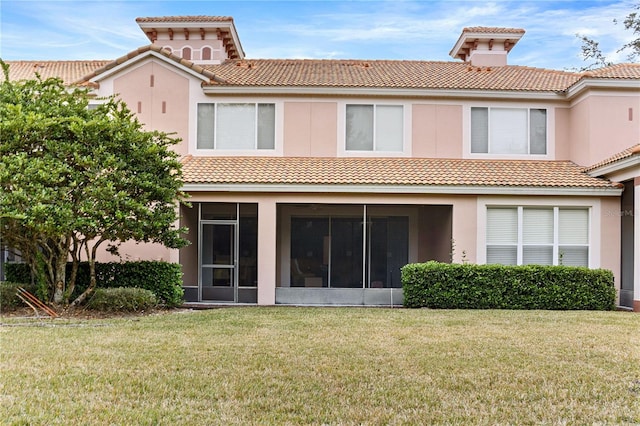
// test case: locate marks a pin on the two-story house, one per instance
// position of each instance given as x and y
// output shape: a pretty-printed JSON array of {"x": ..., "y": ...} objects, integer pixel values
[{"x": 315, "y": 181}]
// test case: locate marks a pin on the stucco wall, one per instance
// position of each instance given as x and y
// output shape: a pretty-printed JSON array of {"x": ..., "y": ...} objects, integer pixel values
[
  {"x": 603, "y": 124},
  {"x": 310, "y": 129},
  {"x": 159, "y": 97},
  {"x": 562, "y": 133},
  {"x": 436, "y": 131},
  {"x": 610, "y": 241}
]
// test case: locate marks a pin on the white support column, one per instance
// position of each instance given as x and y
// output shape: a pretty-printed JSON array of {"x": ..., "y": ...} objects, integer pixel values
[
  {"x": 636, "y": 246},
  {"x": 267, "y": 221}
]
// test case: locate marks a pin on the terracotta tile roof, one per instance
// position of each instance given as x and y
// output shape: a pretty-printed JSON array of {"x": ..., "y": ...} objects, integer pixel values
[
  {"x": 389, "y": 74},
  {"x": 68, "y": 71},
  {"x": 616, "y": 71},
  {"x": 387, "y": 172},
  {"x": 627, "y": 153},
  {"x": 139, "y": 51},
  {"x": 493, "y": 30},
  {"x": 195, "y": 18},
  {"x": 342, "y": 73}
]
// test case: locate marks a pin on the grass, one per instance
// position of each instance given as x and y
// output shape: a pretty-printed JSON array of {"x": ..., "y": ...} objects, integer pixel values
[{"x": 323, "y": 366}]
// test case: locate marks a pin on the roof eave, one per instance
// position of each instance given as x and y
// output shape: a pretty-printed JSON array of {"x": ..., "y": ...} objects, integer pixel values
[
  {"x": 141, "y": 56},
  {"x": 615, "y": 167},
  {"x": 599, "y": 83},
  {"x": 382, "y": 91},
  {"x": 406, "y": 189}
]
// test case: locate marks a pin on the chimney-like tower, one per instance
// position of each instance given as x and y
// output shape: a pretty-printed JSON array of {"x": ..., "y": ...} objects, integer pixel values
[
  {"x": 200, "y": 39},
  {"x": 486, "y": 46}
]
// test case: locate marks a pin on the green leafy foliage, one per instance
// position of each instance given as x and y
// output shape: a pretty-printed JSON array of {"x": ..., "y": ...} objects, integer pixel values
[
  {"x": 162, "y": 278},
  {"x": 122, "y": 299},
  {"x": 73, "y": 178},
  {"x": 456, "y": 286}
]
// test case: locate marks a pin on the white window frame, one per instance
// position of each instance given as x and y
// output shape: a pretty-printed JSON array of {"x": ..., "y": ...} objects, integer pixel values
[
  {"x": 551, "y": 124},
  {"x": 342, "y": 130},
  {"x": 255, "y": 150},
  {"x": 555, "y": 245},
  {"x": 594, "y": 233}
]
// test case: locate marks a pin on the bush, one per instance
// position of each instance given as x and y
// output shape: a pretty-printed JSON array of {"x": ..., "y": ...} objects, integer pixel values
[
  {"x": 8, "y": 297},
  {"x": 162, "y": 278},
  {"x": 122, "y": 299},
  {"x": 21, "y": 273},
  {"x": 455, "y": 286}
]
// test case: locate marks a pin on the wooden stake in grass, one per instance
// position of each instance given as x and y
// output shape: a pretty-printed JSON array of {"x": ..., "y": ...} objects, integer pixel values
[{"x": 35, "y": 303}]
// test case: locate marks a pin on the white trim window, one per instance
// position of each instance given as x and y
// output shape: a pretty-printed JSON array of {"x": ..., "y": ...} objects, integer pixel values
[
  {"x": 374, "y": 128},
  {"x": 520, "y": 131},
  {"x": 538, "y": 235},
  {"x": 236, "y": 126}
]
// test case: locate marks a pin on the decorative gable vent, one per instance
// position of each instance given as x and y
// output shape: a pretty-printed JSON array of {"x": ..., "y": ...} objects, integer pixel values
[{"x": 486, "y": 46}]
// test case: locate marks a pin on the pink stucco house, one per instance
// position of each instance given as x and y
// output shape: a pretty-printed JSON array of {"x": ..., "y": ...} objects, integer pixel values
[{"x": 314, "y": 181}]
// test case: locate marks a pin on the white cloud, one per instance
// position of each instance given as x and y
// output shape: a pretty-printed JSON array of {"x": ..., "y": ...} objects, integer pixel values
[{"x": 296, "y": 29}]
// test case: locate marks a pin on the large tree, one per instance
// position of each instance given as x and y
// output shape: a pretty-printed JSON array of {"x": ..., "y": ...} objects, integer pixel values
[
  {"x": 592, "y": 52},
  {"x": 74, "y": 178}
]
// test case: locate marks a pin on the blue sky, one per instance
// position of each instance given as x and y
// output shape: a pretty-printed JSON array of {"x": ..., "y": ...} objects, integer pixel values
[{"x": 425, "y": 29}]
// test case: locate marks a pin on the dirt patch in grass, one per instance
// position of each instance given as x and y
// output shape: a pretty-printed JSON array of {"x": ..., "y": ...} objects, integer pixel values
[{"x": 82, "y": 314}]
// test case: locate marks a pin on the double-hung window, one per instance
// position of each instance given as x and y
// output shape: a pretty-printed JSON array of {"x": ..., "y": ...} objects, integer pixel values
[
  {"x": 538, "y": 235},
  {"x": 508, "y": 130},
  {"x": 236, "y": 126},
  {"x": 374, "y": 128}
]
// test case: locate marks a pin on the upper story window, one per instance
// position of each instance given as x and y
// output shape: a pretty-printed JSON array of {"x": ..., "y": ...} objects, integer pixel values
[
  {"x": 538, "y": 235},
  {"x": 236, "y": 126},
  {"x": 508, "y": 130},
  {"x": 374, "y": 128}
]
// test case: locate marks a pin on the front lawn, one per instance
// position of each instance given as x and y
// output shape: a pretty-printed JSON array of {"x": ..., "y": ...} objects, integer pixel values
[{"x": 323, "y": 366}]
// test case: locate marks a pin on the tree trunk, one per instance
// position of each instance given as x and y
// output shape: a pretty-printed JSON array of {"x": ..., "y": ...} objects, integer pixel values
[
  {"x": 60, "y": 276},
  {"x": 60, "y": 255},
  {"x": 75, "y": 258},
  {"x": 92, "y": 274}
]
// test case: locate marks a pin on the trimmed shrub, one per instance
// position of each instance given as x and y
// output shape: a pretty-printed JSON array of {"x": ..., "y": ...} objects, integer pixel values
[
  {"x": 8, "y": 295},
  {"x": 122, "y": 299},
  {"x": 466, "y": 286},
  {"x": 162, "y": 278}
]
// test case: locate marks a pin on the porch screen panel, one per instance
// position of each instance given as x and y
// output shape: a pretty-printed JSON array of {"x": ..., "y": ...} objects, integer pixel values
[
  {"x": 389, "y": 246},
  {"x": 309, "y": 251},
  {"x": 206, "y": 126},
  {"x": 346, "y": 252},
  {"x": 502, "y": 236},
  {"x": 508, "y": 131},
  {"x": 573, "y": 237},
  {"x": 389, "y": 129},
  {"x": 479, "y": 130},
  {"x": 537, "y": 236},
  {"x": 359, "y": 128},
  {"x": 248, "y": 245},
  {"x": 236, "y": 126}
]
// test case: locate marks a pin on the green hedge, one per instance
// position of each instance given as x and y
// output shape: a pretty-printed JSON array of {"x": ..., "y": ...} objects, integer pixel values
[
  {"x": 122, "y": 299},
  {"x": 466, "y": 286},
  {"x": 162, "y": 278}
]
